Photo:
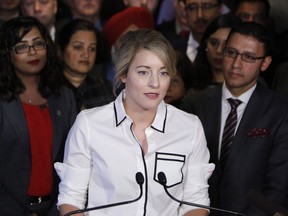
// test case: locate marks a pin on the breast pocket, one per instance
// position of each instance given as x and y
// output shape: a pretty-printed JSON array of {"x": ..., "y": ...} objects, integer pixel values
[{"x": 171, "y": 165}]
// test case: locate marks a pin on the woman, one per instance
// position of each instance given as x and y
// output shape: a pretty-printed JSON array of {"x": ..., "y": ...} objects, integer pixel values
[
  {"x": 207, "y": 67},
  {"x": 137, "y": 132},
  {"x": 78, "y": 44},
  {"x": 180, "y": 83},
  {"x": 36, "y": 115}
]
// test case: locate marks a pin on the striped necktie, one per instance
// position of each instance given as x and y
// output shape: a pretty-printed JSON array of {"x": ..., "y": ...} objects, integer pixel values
[{"x": 229, "y": 130}]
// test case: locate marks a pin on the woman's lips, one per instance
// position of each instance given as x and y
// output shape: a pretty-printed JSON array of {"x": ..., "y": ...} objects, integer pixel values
[
  {"x": 34, "y": 62},
  {"x": 152, "y": 95}
]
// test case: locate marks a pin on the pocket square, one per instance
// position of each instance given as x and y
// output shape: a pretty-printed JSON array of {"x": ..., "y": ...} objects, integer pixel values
[{"x": 258, "y": 133}]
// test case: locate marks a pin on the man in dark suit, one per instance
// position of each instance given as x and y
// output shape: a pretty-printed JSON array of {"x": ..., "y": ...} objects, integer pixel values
[
  {"x": 177, "y": 31},
  {"x": 46, "y": 13},
  {"x": 255, "y": 157}
]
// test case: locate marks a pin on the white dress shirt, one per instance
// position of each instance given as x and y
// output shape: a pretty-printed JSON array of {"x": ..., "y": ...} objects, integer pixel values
[
  {"x": 103, "y": 155},
  {"x": 192, "y": 46},
  {"x": 226, "y": 108}
]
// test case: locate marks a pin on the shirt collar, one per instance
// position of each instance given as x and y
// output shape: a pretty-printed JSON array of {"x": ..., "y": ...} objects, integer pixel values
[
  {"x": 120, "y": 114},
  {"x": 53, "y": 32},
  {"x": 244, "y": 97},
  {"x": 192, "y": 42}
]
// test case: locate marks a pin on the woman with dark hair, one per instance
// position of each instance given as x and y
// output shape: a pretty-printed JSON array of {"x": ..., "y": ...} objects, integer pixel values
[
  {"x": 181, "y": 82},
  {"x": 78, "y": 47},
  {"x": 35, "y": 116},
  {"x": 207, "y": 67}
]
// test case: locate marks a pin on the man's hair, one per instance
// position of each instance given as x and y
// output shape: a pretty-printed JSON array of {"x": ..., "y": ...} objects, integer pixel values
[
  {"x": 257, "y": 31},
  {"x": 265, "y": 2}
]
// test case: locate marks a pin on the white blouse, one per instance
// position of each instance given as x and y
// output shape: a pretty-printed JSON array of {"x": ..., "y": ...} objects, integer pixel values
[{"x": 102, "y": 155}]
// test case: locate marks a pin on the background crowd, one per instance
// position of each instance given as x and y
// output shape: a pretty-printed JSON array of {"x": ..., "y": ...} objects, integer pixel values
[{"x": 74, "y": 45}]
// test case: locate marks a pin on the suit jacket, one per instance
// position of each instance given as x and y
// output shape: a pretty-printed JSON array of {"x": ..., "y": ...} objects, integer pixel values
[
  {"x": 280, "y": 82},
  {"x": 258, "y": 158},
  {"x": 15, "y": 163},
  {"x": 168, "y": 29}
]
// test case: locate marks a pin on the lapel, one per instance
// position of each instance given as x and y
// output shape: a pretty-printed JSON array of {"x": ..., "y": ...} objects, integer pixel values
[
  {"x": 252, "y": 114},
  {"x": 56, "y": 114},
  {"x": 212, "y": 111},
  {"x": 16, "y": 117}
]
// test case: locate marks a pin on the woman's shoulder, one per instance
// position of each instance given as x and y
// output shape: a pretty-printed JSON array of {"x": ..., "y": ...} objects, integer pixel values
[
  {"x": 183, "y": 116},
  {"x": 99, "y": 112}
]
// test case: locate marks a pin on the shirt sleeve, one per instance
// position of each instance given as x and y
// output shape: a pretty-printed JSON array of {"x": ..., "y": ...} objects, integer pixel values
[
  {"x": 75, "y": 171},
  {"x": 198, "y": 172}
]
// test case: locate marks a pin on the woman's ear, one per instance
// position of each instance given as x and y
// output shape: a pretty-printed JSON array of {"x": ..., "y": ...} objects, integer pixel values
[{"x": 123, "y": 79}]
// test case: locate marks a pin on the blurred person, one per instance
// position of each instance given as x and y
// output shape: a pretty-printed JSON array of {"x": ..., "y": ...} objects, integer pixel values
[
  {"x": 199, "y": 15},
  {"x": 177, "y": 30},
  {"x": 151, "y": 5},
  {"x": 130, "y": 19},
  {"x": 208, "y": 65},
  {"x": 36, "y": 115},
  {"x": 78, "y": 47},
  {"x": 87, "y": 10},
  {"x": 280, "y": 81},
  {"x": 246, "y": 126},
  {"x": 165, "y": 12},
  {"x": 44, "y": 11},
  {"x": 180, "y": 83},
  {"x": 9, "y": 9},
  {"x": 253, "y": 11},
  {"x": 108, "y": 145}
]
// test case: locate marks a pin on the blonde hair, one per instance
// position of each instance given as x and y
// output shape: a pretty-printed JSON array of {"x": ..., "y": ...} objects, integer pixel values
[{"x": 134, "y": 41}]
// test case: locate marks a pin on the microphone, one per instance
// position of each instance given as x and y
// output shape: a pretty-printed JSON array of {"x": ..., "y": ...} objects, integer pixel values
[
  {"x": 163, "y": 181},
  {"x": 267, "y": 206},
  {"x": 139, "y": 179}
]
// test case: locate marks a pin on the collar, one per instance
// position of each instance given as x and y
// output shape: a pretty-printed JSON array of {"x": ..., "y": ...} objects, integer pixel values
[
  {"x": 120, "y": 114},
  {"x": 244, "y": 97},
  {"x": 192, "y": 42},
  {"x": 53, "y": 32}
]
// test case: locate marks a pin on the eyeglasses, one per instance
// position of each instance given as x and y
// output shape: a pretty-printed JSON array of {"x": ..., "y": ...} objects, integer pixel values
[
  {"x": 233, "y": 53},
  {"x": 25, "y": 48},
  {"x": 206, "y": 7}
]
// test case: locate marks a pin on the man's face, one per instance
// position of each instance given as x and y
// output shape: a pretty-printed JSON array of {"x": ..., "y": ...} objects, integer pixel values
[
  {"x": 180, "y": 12},
  {"x": 151, "y": 5},
  {"x": 252, "y": 12},
  {"x": 85, "y": 8},
  {"x": 200, "y": 13},
  {"x": 241, "y": 75},
  {"x": 43, "y": 10}
]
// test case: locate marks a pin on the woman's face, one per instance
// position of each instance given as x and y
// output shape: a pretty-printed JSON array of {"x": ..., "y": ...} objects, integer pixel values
[
  {"x": 146, "y": 82},
  {"x": 215, "y": 46},
  {"x": 80, "y": 54},
  {"x": 176, "y": 90},
  {"x": 29, "y": 55}
]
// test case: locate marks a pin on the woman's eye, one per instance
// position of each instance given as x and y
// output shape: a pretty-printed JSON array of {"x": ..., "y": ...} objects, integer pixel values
[
  {"x": 77, "y": 47},
  {"x": 142, "y": 72},
  {"x": 214, "y": 43},
  {"x": 92, "y": 49},
  {"x": 164, "y": 73}
]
